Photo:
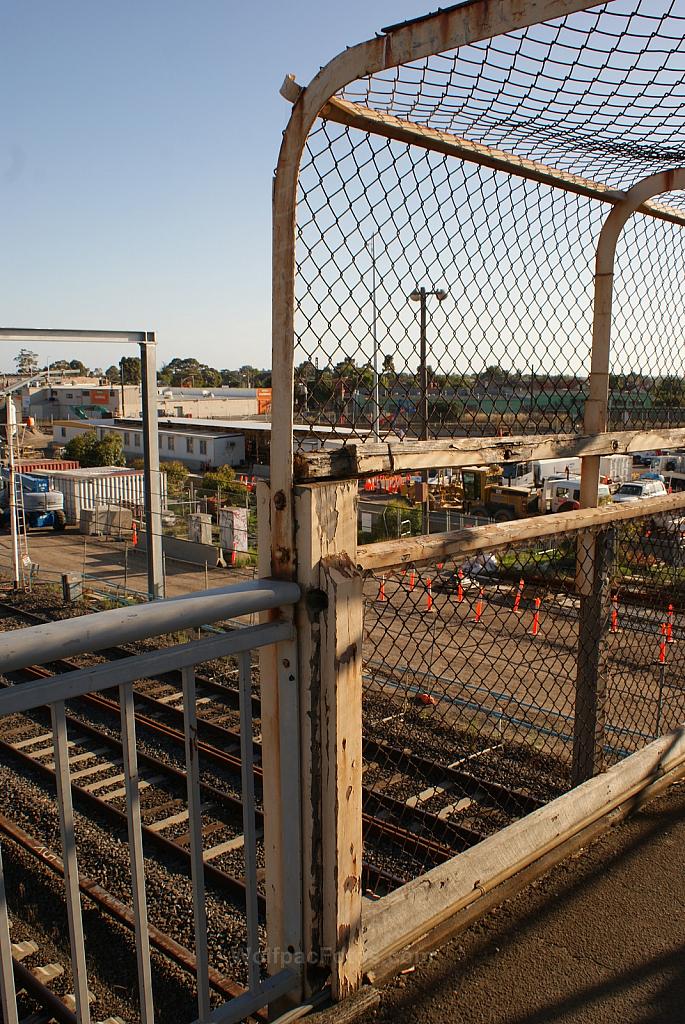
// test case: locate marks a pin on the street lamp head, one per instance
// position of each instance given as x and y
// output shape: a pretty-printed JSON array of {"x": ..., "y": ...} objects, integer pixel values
[{"x": 418, "y": 293}]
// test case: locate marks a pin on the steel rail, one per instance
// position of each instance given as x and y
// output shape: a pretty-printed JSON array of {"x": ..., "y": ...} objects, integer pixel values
[{"x": 50, "y": 1002}]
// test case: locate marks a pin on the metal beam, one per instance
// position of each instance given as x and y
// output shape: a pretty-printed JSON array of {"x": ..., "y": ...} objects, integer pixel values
[
  {"x": 124, "y": 625},
  {"x": 67, "y": 685},
  {"x": 54, "y": 334},
  {"x": 151, "y": 480},
  {"x": 390, "y": 127}
]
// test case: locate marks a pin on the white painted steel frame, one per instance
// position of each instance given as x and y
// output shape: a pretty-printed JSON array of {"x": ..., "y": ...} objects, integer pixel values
[
  {"x": 596, "y": 407},
  {"x": 423, "y": 37},
  {"x": 39, "y": 692}
]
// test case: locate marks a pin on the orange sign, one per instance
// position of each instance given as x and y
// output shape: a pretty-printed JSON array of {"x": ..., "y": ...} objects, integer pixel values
[
  {"x": 263, "y": 400},
  {"x": 100, "y": 396}
]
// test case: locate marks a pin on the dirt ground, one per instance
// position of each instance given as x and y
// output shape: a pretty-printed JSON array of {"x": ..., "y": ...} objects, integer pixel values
[
  {"x": 599, "y": 939},
  {"x": 105, "y": 560}
]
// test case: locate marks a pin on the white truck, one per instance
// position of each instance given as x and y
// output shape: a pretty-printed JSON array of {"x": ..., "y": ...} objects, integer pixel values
[
  {"x": 615, "y": 469},
  {"x": 560, "y": 494}
]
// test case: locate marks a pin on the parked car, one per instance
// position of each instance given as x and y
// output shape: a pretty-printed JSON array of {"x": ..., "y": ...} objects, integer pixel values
[{"x": 638, "y": 490}]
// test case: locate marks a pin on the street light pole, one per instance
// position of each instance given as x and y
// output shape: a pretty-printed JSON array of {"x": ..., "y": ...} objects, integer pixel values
[
  {"x": 376, "y": 410},
  {"x": 421, "y": 295}
]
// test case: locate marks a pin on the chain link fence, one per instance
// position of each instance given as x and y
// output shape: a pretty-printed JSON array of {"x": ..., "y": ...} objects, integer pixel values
[
  {"x": 435, "y": 176},
  {"x": 471, "y": 669}
]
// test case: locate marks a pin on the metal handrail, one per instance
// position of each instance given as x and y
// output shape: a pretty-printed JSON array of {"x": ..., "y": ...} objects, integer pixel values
[{"x": 67, "y": 637}]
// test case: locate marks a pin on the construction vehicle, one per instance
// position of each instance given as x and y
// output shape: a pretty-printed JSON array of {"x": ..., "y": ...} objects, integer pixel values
[
  {"x": 479, "y": 491},
  {"x": 37, "y": 504}
]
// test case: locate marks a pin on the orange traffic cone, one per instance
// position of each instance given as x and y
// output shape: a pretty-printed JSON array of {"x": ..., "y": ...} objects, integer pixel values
[
  {"x": 479, "y": 606},
  {"x": 460, "y": 588},
  {"x": 517, "y": 599},
  {"x": 429, "y": 596},
  {"x": 412, "y": 579},
  {"x": 662, "y": 644},
  {"x": 614, "y": 615},
  {"x": 381, "y": 590},
  {"x": 536, "y": 618},
  {"x": 669, "y": 625},
  {"x": 134, "y": 534}
]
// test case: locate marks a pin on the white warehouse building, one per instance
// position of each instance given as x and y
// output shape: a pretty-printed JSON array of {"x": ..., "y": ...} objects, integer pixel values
[{"x": 198, "y": 449}]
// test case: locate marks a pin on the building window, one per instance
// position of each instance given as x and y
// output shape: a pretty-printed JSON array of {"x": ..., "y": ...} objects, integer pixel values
[
  {"x": 160, "y": 442},
  {"x": 64, "y": 431},
  {"x": 86, "y": 394},
  {"x": 190, "y": 444},
  {"x": 170, "y": 443},
  {"x": 203, "y": 447},
  {"x": 127, "y": 439},
  {"x": 69, "y": 394},
  {"x": 136, "y": 440}
]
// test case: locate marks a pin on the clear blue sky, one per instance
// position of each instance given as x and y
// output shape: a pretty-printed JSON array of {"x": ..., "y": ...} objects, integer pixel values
[{"x": 136, "y": 156}]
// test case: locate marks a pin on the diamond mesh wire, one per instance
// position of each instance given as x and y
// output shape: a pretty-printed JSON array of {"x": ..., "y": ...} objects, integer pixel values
[
  {"x": 470, "y": 681},
  {"x": 597, "y": 94}
]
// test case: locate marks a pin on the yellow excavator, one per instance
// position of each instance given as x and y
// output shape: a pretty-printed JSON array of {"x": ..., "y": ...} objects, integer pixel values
[{"x": 480, "y": 492}]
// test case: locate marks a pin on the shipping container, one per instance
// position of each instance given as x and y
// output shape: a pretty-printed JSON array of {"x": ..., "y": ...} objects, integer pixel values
[
  {"x": 101, "y": 485},
  {"x": 39, "y": 466}
]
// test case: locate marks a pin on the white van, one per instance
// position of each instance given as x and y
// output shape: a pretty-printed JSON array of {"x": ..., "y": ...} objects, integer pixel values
[{"x": 638, "y": 490}]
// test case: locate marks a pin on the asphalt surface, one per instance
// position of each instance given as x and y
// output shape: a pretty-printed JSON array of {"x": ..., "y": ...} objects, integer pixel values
[{"x": 599, "y": 939}]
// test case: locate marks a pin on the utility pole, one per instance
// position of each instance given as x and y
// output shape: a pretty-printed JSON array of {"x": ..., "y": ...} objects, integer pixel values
[
  {"x": 376, "y": 390},
  {"x": 11, "y": 428},
  {"x": 121, "y": 385},
  {"x": 153, "y": 501},
  {"x": 421, "y": 295}
]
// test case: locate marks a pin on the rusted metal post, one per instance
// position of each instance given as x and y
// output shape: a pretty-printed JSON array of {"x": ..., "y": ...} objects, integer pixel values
[
  {"x": 591, "y": 680},
  {"x": 591, "y": 559}
]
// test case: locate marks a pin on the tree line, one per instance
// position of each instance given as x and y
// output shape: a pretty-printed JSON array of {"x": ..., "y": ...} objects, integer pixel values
[{"x": 176, "y": 373}]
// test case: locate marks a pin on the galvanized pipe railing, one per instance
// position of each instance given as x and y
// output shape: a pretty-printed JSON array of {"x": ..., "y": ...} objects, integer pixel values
[
  {"x": 52, "y": 641},
  {"x": 39, "y": 644}
]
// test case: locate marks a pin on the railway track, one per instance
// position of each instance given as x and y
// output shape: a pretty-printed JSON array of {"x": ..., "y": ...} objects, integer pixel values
[
  {"x": 33, "y": 979},
  {"x": 393, "y": 822},
  {"x": 417, "y": 812}
]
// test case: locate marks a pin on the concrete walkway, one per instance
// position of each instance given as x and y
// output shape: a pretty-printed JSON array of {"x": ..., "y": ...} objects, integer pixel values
[{"x": 598, "y": 940}]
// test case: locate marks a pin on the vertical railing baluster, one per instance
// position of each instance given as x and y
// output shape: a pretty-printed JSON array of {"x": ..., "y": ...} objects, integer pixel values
[
  {"x": 66, "y": 824},
  {"x": 135, "y": 843},
  {"x": 196, "y": 851},
  {"x": 8, "y": 995},
  {"x": 250, "y": 845}
]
